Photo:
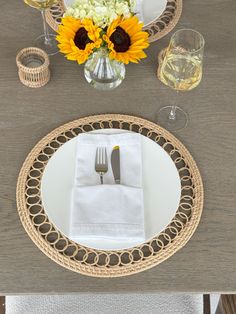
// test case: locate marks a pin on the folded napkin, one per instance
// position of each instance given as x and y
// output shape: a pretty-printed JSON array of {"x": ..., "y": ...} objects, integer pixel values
[{"x": 112, "y": 211}]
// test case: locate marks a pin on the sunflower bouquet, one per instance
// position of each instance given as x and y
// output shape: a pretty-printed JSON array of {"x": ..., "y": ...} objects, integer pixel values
[{"x": 111, "y": 25}]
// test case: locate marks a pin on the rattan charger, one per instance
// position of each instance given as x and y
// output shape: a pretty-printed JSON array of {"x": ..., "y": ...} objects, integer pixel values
[{"x": 104, "y": 263}]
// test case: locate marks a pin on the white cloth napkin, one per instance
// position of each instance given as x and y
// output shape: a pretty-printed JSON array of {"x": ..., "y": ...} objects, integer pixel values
[{"x": 112, "y": 211}]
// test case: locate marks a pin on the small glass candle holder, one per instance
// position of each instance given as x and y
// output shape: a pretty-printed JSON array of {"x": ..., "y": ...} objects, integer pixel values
[{"x": 33, "y": 67}]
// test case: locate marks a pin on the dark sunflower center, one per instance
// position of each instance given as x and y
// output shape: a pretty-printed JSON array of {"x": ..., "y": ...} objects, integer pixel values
[
  {"x": 120, "y": 39},
  {"x": 81, "y": 38}
]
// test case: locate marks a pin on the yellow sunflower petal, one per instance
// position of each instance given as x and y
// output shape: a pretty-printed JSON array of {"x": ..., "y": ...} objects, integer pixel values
[
  {"x": 66, "y": 34},
  {"x": 138, "y": 39}
]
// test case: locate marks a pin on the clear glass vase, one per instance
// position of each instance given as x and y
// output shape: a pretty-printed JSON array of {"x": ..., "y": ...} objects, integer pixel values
[{"x": 102, "y": 72}]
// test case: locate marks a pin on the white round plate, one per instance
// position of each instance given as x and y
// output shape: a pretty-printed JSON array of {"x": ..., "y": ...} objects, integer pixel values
[
  {"x": 151, "y": 9},
  {"x": 161, "y": 187}
]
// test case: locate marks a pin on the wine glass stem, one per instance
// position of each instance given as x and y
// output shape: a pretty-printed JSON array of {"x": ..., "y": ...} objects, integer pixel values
[
  {"x": 172, "y": 114},
  {"x": 45, "y": 26}
]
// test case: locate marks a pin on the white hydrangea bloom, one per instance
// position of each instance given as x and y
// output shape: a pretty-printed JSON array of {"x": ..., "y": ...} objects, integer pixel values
[{"x": 103, "y": 12}]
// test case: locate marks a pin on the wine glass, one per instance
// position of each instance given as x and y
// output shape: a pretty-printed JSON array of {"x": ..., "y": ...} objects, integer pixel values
[
  {"x": 47, "y": 41},
  {"x": 180, "y": 68}
]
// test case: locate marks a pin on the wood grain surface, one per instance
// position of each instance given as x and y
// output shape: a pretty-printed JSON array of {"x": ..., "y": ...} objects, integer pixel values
[
  {"x": 2, "y": 305},
  {"x": 227, "y": 304},
  {"x": 207, "y": 262}
]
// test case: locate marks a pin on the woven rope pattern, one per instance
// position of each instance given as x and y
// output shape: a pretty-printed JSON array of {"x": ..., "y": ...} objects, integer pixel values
[
  {"x": 103, "y": 263},
  {"x": 156, "y": 29},
  {"x": 33, "y": 77}
]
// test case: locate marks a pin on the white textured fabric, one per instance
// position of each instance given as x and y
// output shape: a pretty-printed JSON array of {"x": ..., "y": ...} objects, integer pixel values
[
  {"x": 105, "y": 304},
  {"x": 110, "y": 211},
  {"x": 130, "y": 158},
  {"x": 113, "y": 212}
]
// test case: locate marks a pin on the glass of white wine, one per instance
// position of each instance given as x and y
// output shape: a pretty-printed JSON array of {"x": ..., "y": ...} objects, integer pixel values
[
  {"x": 180, "y": 68},
  {"x": 47, "y": 41}
]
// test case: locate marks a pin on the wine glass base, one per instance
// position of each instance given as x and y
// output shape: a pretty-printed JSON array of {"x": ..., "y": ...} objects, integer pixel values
[
  {"x": 48, "y": 45},
  {"x": 164, "y": 119}
]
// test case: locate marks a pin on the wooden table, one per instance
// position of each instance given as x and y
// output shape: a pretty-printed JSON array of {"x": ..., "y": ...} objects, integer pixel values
[{"x": 207, "y": 262}]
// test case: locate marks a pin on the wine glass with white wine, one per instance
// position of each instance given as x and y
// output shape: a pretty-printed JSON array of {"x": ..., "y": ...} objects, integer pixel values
[
  {"x": 47, "y": 41},
  {"x": 180, "y": 68}
]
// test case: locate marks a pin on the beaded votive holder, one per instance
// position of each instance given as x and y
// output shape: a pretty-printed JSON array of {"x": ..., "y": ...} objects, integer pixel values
[{"x": 33, "y": 67}]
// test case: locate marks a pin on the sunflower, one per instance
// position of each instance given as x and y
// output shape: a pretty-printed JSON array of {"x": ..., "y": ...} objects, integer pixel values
[
  {"x": 77, "y": 38},
  {"x": 126, "y": 40}
]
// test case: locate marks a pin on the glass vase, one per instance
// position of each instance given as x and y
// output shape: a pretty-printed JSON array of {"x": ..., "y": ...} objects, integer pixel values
[{"x": 102, "y": 72}]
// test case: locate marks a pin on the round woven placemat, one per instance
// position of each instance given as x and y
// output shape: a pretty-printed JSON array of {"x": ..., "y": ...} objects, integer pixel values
[
  {"x": 156, "y": 29},
  {"x": 104, "y": 263}
]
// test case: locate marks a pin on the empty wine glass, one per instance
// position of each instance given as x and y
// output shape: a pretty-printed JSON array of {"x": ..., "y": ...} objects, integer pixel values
[
  {"x": 47, "y": 41},
  {"x": 180, "y": 68}
]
